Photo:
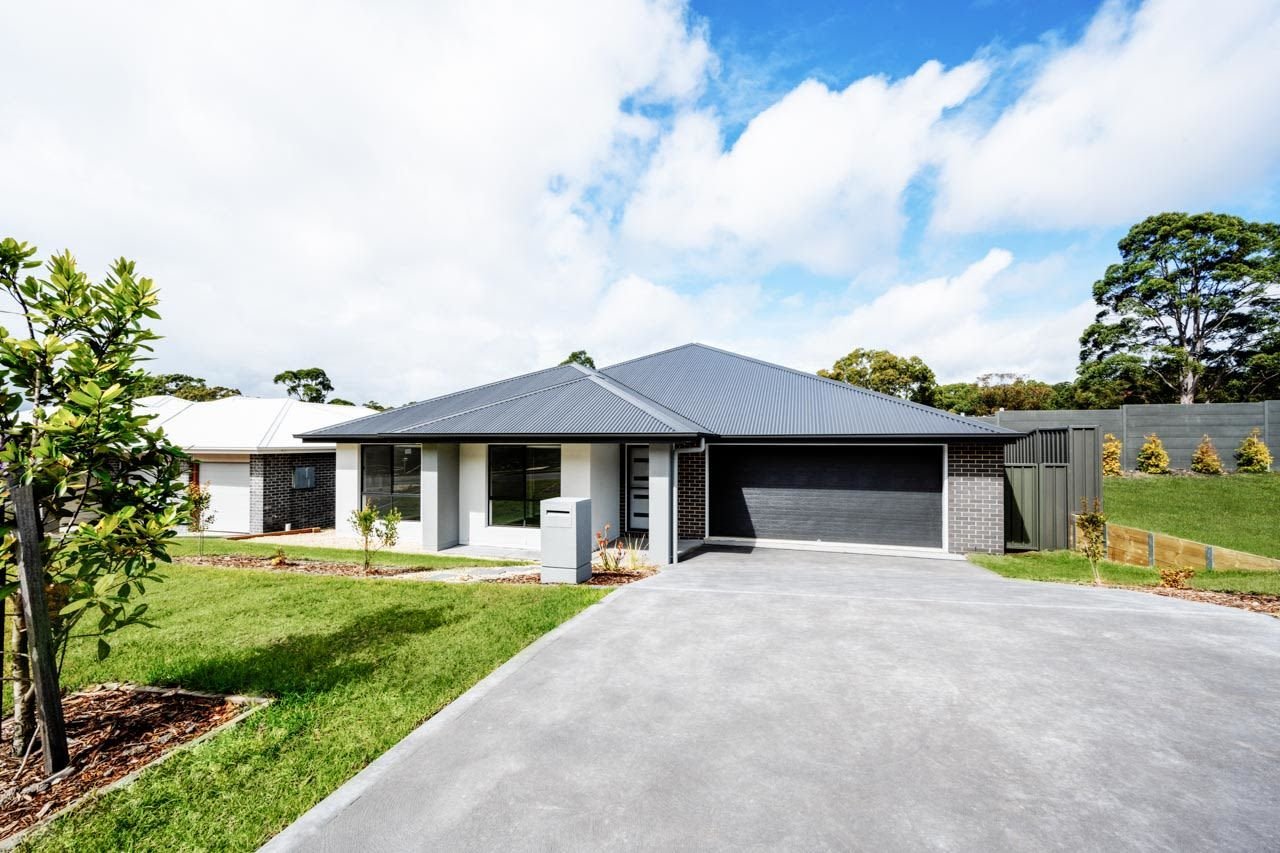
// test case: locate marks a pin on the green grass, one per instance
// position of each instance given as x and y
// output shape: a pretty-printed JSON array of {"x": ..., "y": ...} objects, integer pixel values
[
  {"x": 1240, "y": 511},
  {"x": 189, "y": 547},
  {"x": 1070, "y": 567},
  {"x": 355, "y": 666}
]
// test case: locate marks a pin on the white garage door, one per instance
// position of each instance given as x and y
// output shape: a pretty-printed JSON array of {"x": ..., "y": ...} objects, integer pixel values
[{"x": 229, "y": 483}]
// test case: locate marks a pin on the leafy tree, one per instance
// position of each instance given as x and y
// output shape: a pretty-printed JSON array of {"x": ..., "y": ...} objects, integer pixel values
[
  {"x": 1190, "y": 290},
  {"x": 310, "y": 384},
  {"x": 375, "y": 530},
  {"x": 880, "y": 370},
  {"x": 94, "y": 490},
  {"x": 958, "y": 397},
  {"x": 1118, "y": 380},
  {"x": 185, "y": 387},
  {"x": 199, "y": 515},
  {"x": 995, "y": 391},
  {"x": 580, "y": 356},
  {"x": 338, "y": 401}
]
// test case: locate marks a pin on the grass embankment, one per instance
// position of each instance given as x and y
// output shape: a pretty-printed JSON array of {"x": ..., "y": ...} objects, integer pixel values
[
  {"x": 1070, "y": 567},
  {"x": 188, "y": 547},
  {"x": 1240, "y": 511},
  {"x": 354, "y": 665}
]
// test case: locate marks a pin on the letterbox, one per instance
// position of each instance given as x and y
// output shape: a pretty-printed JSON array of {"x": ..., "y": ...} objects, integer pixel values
[{"x": 566, "y": 540}]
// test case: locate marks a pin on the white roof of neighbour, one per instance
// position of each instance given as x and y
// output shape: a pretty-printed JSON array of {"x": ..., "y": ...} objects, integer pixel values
[{"x": 244, "y": 424}]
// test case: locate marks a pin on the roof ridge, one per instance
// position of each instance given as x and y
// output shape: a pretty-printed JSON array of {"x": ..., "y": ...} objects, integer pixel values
[
  {"x": 487, "y": 405},
  {"x": 274, "y": 426},
  {"x": 911, "y": 404},
  {"x": 659, "y": 352},
  {"x": 646, "y": 404}
]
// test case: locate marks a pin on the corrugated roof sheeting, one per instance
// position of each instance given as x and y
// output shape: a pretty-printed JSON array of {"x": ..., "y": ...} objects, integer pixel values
[
  {"x": 451, "y": 404},
  {"x": 582, "y": 407},
  {"x": 732, "y": 395}
]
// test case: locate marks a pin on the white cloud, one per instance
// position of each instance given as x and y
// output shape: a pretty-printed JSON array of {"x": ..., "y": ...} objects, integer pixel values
[
  {"x": 1171, "y": 105},
  {"x": 816, "y": 179}
]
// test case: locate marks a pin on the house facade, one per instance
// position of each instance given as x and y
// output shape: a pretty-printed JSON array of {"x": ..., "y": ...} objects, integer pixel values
[
  {"x": 687, "y": 446},
  {"x": 243, "y": 450}
]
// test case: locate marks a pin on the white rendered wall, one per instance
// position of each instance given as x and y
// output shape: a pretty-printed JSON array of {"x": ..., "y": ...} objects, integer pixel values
[{"x": 346, "y": 498}]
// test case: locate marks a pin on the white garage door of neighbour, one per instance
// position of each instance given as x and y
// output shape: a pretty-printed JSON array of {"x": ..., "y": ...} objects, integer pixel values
[{"x": 229, "y": 483}]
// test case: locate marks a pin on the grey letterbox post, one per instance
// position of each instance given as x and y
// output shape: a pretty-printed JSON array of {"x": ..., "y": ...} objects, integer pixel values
[{"x": 566, "y": 540}]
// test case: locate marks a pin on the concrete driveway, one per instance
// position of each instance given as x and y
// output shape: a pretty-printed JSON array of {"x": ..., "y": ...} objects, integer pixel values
[{"x": 804, "y": 701}]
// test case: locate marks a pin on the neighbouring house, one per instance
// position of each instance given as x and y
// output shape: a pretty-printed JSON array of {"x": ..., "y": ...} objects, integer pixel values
[
  {"x": 244, "y": 451},
  {"x": 686, "y": 446}
]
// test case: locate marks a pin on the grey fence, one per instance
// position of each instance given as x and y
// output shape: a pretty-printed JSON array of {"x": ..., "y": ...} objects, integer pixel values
[
  {"x": 1179, "y": 427},
  {"x": 1048, "y": 472}
]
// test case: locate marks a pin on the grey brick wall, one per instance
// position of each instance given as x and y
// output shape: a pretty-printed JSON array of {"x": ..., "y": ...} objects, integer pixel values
[
  {"x": 691, "y": 497},
  {"x": 274, "y": 502},
  {"x": 975, "y": 498}
]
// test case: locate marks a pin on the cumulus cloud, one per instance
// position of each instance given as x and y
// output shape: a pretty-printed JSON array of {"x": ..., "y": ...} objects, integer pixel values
[
  {"x": 816, "y": 179},
  {"x": 1169, "y": 105}
]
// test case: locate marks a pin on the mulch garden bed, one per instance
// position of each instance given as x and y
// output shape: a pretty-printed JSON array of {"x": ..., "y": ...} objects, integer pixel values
[
  {"x": 597, "y": 578},
  {"x": 298, "y": 566},
  {"x": 1255, "y": 602},
  {"x": 114, "y": 730}
]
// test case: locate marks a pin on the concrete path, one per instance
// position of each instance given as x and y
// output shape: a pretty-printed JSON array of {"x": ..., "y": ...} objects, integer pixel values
[{"x": 804, "y": 701}]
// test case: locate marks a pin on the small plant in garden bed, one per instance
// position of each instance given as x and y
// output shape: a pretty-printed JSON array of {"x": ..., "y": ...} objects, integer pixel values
[
  {"x": 1205, "y": 459},
  {"x": 375, "y": 530},
  {"x": 1152, "y": 457},
  {"x": 1111, "y": 450},
  {"x": 1093, "y": 528},
  {"x": 1176, "y": 578},
  {"x": 1253, "y": 456}
]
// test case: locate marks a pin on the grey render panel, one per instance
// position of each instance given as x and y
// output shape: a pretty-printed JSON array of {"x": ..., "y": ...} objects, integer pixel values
[{"x": 733, "y": 395}]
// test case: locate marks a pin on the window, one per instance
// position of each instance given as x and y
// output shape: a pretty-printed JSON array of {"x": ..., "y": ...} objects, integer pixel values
[
  {"x": 391, "y": 478},
  {"x": 520, "y": 477},
  {"x": 304, "y": 477}
]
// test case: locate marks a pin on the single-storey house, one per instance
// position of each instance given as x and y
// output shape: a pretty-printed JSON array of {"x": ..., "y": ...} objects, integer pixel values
[
  {"x": 244, "y": 451},
  {"x": 686, "y": 446}
]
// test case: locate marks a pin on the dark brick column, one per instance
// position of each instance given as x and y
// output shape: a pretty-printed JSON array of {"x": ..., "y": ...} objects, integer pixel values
[{"x": 691, "y": 498}]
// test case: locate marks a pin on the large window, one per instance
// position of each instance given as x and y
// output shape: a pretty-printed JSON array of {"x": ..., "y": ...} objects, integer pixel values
[
  {"x": 391, "y": 477},
  {"x": 520, "y": 477}
]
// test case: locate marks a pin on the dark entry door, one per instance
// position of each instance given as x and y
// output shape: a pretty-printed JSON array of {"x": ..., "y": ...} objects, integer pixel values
[{"x": 828, "y": 493}]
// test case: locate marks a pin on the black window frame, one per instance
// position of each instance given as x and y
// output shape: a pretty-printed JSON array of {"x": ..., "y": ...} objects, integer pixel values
[
  {"x": 531, "y": 511},
  {"x": 399, "y": 495}
]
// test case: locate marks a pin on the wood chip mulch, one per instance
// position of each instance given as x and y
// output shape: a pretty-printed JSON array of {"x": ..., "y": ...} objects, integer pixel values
[
  {"x": 297, "y": 566},
  {"x": 114, "y": 730},
  {"x": 1255, "y": 602},
  {"x": 596, "y": 579}
]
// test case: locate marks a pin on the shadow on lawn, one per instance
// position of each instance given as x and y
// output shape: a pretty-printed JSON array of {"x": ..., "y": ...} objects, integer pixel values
[{"x": 311, "y": 663}]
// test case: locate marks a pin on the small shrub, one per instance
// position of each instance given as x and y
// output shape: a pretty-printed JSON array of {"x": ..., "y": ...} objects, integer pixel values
[
  {"x": 1153, "y": 458},
  {"x": 279, "y": 559},
  {"x": 609, "y": 553},
  {"x": 1253, "y": 456},
  {"x": 1111, "y": 449},
  {"x": 1093, "y": 529},
  {"x": 375, "y": 531},
  {"x": 1206, "y": 459},
  {"x": 1176, "y": 578},
  {"x": 199, "y": 517}
]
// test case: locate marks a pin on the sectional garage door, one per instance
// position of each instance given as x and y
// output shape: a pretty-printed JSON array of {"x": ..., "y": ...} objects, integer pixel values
[{"x": 865, "y": 494}]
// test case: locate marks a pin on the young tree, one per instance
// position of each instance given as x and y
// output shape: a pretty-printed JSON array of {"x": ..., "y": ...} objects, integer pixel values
[
  {"x": 1190, "y": 290},
  {"x": 880, "y": 370},
  {"x": 579, "y": 356},
  {"x": 310, "y": 384},
  {"x": 375, "y": 530},
  {"x": 199, "y": 516},
  {"x": 1092, "y": 524},
  {"x": 93, "y": 490}
]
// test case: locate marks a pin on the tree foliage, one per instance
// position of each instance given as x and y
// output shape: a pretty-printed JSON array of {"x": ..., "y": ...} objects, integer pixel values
[
  {"x": 375, "y": 530},
  {"x": 106, "y": 485},
  {"x": 995, "y": 391},
  {"x": 880, "y": 370},
  {"x": 1152, "y": 457},
  {"x": 580, "y": 356},
  {"x": 185, "y": 387},
  {"x": 309, "y": 384},
  {"x": 1192, "y": 292}
]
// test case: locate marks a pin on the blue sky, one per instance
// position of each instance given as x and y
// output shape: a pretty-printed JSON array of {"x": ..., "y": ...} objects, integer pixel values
[{"x": 420, "y": 197}]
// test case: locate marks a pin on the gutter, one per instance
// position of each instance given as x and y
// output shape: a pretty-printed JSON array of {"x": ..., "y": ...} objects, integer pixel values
[{"x": 675, "y": 495}]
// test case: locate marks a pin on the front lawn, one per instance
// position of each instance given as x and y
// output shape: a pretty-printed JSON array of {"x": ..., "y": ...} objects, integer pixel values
[
  {"x": 354, "y": 665},
  {"x": 1070, "y": 567},
  {"x": 1240, "y": 511},
  {"x": 188, "y": 546}
]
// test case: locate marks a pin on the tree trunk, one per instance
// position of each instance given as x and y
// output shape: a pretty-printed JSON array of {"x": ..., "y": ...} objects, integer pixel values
[
  {"x": 1187, "y": 386},
  {"x": 35, "y": 613},
  {"x": 24, "y": 710}
]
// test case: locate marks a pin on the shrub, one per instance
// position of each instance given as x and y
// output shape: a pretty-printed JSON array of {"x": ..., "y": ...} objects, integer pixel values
[
  {"x": 1176, "y": 578},
  {"x": 375, "y": 530},
  {"x": 1111, "y": 448},
  {"x": 1153, "y": 458},
  {"x": 1206, "y": 459},
  {"x": 1253, "y": 457},
  {"x": 1093, "y": 529}
]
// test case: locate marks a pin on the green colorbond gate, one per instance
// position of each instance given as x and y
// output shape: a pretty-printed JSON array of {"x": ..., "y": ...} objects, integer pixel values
[{"x": 1047, "y": 474}]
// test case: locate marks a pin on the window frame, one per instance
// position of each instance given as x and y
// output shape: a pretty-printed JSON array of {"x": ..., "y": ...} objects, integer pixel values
[
  {"x": 391, "y": 493},
  {"x": 488, "y": 479},
  {"x": 310, "y": 478}
]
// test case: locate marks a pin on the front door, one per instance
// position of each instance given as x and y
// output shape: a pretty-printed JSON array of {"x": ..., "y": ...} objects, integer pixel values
[{"x": 638, "y": 487}]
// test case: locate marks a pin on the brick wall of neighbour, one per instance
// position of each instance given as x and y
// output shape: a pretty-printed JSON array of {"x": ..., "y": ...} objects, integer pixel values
[
  {"x": 274, "y": 502},
  {"x": 691, "y": 500},
  {"x": 975, "y": 500}
]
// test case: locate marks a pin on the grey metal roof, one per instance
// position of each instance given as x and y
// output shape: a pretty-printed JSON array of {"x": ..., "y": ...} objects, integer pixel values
[
  {"x": 737, "y": 396},
  {"x": 693, "y": 390}
]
